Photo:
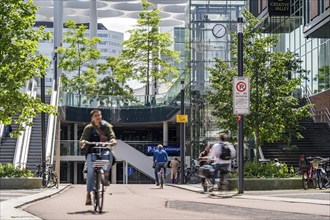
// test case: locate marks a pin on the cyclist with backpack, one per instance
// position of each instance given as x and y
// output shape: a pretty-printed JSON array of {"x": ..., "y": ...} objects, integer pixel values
[{"x": 222, "y": 153}]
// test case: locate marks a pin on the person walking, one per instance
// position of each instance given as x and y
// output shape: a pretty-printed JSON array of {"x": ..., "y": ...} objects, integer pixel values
[
  {"x": 97, "y": 131},
  {"x": 175, "y": 164},
  {"x": 160, "y": 159}
]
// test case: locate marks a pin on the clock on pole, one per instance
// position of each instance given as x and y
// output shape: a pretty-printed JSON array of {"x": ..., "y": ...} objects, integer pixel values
[{"x": 219, "y": 30}]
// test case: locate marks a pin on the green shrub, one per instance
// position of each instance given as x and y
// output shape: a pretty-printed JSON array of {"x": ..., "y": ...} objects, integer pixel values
[
  {"x": 8, "y": 170},
  {"x": 267, "y": 170}
]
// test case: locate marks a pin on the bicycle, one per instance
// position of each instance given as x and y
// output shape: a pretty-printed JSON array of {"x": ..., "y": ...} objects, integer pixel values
[
  {"x": 99, "y": 167},
  {"x": 308, "y": 174},
  {"x": 323, "y": 171},
  {"x": 49, "y": 177}
]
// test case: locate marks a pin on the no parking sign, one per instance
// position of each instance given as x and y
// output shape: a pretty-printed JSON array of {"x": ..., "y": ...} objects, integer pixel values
[{"x": 241, "y": 95}]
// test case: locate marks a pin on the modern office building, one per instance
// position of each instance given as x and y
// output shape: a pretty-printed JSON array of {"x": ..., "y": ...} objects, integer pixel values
[
  {"x": 304, "y": 28},
  {"x": 201, "y": 30}
]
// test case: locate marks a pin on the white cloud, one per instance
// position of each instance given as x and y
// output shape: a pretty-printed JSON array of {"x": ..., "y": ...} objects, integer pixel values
[{"x": 119, "y": 24}]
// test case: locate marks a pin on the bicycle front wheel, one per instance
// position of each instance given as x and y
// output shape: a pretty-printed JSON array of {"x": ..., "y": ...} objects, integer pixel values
[{"x": 98, "y": 193}]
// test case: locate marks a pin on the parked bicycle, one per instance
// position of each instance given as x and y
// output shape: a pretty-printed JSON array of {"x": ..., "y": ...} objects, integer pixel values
[
  {"x": 323, "y": 172},
  {"x": 190, "y": 174},
  {"x": 49, "y": 177},
  {"x": 99, "y": 166}
]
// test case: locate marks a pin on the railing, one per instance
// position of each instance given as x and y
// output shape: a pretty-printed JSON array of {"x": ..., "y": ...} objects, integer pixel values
[
  {"x": 51, "y": 127},
  {"x": 72, "y": 148},
  {"x": 134, "y": 101},
  {"x": 86, "y": 101},
  {"x": 320, "y": 115},
  {"x": 23, "y": 141}
]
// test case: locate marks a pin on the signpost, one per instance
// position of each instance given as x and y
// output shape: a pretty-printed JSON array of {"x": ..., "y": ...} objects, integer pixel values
[{"x": 241, "y": 95}]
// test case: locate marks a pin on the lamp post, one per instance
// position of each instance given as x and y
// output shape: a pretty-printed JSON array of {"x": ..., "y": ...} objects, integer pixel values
[
  {"x": 182, "y": 136},
  {"x": 241, "y": 118}
]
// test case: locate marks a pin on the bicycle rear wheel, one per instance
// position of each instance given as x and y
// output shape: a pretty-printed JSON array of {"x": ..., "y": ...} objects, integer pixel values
[
  {"x": 304, "y": 180},
  {"x": 52, "y": 180},
  {"x": 161, "y": 180}
]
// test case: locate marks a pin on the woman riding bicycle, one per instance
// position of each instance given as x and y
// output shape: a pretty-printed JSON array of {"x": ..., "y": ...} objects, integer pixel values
[{"x": 97, "y": 131}]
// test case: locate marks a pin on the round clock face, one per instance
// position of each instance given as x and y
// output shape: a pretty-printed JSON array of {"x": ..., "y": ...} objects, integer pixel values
[{"x": 219, "y": 30}]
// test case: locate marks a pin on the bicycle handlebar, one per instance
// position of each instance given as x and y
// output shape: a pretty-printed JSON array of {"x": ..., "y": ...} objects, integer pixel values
[{"x": 110, "y": 145}]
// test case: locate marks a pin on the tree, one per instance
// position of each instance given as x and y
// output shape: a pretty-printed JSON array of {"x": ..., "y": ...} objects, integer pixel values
[
  {"x": 273, "y": 109},
  {"x": 20, "y": 62},
  {"x": 146, "y": 53},
  {"x": 81, "y": 57},
  {"x": 323, "y": 78}
]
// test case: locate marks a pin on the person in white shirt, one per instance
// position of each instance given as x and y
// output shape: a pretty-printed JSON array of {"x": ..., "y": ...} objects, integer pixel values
[{"x": 222, "y": 165}]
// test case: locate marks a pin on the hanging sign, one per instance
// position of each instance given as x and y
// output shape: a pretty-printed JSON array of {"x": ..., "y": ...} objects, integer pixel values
[{"x": 241, "y": 95}]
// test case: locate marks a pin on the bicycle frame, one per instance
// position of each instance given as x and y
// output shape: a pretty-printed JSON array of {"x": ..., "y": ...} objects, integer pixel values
[{"x": 98, "y": 169}]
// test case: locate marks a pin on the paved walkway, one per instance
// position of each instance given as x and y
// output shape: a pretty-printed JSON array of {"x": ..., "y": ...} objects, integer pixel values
[{"x": 12, "y": 200}]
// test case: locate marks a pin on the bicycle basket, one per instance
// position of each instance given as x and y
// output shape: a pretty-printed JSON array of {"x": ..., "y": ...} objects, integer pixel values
[
  {"x": 205, "y": 171},
  {"x": 315, "y": 163},
  {"x": 101, "y": 164},
  {"x": 303, "y": 163}
]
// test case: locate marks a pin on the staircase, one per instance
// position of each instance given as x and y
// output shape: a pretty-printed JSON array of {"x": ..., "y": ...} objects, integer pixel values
[
  {"x": 7, "y": 146},
  {"x": 35, "y": 147},
  {"x": 316, "y": 142}
]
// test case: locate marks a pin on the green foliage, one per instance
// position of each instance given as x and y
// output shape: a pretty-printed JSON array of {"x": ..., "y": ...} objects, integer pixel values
[
  {"x": 146, "y": 53},
  {"x": 81, "y": 57},
  {"x": 20, "y": 62},
  {"x": 8, "y": 170},
  {"x": 323, "y": 78},
  {"x": 80, "y": 52},
  {"x": 273, "y": 78},
  {"x": 267, "y": 170}
]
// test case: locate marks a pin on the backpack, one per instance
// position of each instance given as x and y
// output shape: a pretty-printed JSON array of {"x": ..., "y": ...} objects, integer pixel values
[{"x": 226, "y": 153}]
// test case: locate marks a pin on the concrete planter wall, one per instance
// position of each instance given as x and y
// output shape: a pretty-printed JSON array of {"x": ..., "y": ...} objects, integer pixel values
[
  {"x": 20, "y": 183},
  {"x": 268, "y": 183}
]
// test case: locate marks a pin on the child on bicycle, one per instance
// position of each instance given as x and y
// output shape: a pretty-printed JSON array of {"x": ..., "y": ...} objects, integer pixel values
[{"x": 97, "y": 131}]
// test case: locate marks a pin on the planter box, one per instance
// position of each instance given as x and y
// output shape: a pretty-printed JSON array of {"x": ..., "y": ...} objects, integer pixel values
[
  {"x": 268, "y": 183},
  {"x": 20, "y": 183}
]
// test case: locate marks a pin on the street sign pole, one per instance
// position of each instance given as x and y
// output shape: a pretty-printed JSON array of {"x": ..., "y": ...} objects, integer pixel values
[
  {"x": 241, "y": 121},
  {"x": 182, "y": 137}
]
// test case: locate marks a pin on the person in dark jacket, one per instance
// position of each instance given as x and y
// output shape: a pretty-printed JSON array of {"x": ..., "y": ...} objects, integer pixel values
[{"x": 97, "y": 131}]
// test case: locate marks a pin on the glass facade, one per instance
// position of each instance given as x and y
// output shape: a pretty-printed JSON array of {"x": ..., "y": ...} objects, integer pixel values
[
  {"x": 210, "y": 24},
  {"x": 313, "y": 51}
]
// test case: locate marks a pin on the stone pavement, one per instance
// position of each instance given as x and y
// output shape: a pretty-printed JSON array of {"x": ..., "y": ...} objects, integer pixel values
[{"x": 12, "y": 200}]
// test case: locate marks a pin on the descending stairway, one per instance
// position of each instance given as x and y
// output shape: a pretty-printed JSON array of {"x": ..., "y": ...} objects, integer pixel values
[
  {"x": 316, "y": 142},
  {"x": 7, "y": 146},
  {"x": 35, "y": 147}
]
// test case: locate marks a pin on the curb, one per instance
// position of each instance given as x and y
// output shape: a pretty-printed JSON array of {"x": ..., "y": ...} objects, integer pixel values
[{"x": 11, "y": 209}]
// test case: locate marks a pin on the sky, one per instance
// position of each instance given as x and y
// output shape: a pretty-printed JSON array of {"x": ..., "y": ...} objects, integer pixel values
[{"x": 119, "y": 24}]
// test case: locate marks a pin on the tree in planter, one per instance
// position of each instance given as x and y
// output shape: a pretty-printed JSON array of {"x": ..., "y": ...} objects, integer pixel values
[
  {"x": 146, "y": 53},
  {"x": 273, "y": 78},
  {"x": 20, "y": 62},
  {"x": 80, "y": 56}
]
